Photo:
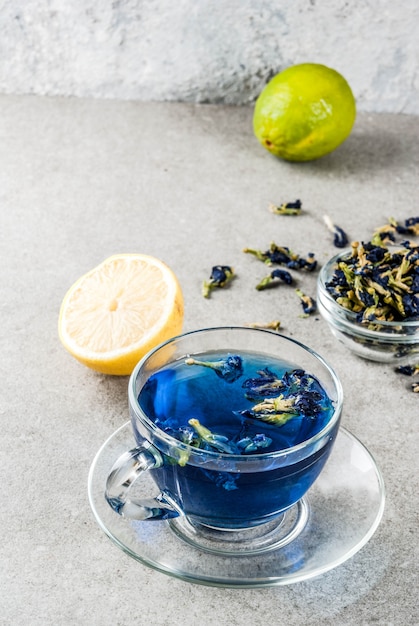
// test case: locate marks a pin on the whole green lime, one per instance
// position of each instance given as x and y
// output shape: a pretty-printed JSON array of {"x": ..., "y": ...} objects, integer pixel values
[{"x": 304, "y": 112}]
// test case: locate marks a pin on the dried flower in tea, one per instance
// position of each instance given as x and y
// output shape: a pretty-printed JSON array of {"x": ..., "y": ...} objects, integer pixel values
[
  {"x": 218, "y": 442},
  {"x": 229, "y": 369},
  {"x": 296, "y": 393},
  {"x": 265, "y": 385},
  {"x": 252, "y": 444}
]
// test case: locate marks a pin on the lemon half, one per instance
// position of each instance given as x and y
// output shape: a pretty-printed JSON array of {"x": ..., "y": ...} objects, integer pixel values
[
  {"x": 113, "y": 315},
  {"x": 304, "y": 112}
]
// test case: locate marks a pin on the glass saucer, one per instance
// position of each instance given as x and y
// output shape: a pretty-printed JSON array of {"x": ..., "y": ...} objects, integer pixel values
[{"x": 342, "y": 510}]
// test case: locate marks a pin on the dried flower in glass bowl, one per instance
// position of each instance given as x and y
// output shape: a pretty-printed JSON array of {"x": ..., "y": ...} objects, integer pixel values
[{"x": 369, "y": 295}]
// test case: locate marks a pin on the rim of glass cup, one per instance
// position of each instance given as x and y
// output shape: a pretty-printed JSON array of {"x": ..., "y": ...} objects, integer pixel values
[
  {"x": 349, "y": 316},
  {"x": 171, "y": 441}
]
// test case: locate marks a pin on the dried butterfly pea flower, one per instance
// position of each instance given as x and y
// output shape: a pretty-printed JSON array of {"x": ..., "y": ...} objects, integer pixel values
[
  {"x": 282, "y": 255},
  {"x": 268, "y": 281},
  {"x": 267, "y": 384},
  {"x": 308, "y": 263},
  {"x": 384, "y": 236},
  {"x": 307, "y": 302},
  {"x": 410, "y": 305},
  {"x": 408, "y": 370},
  {"x": 340, "y": 239},
  {"x": 387, "y": 233},
  {"x": 229, "y": 369},
  {"x": 309, "y": 403},
  {"x": 286, "y": 208},
  {"x": 378, "y": 284},
  {"x": 252, "y": 444},
  {"x": 296, "y": 393},
  {"x": 279, "y": 255},
  {"x": 273, "y": 325},
  {"x": 185, "y": 434},
  {"x": 220, "y": 276},
  {"x": 218, "y": 442},
  {"x": 276, "y": 410},
  {"x": 412, "y": 225}
]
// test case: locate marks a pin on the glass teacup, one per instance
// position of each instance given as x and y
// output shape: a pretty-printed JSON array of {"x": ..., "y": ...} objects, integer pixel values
[{"x": 234, "y": 425}]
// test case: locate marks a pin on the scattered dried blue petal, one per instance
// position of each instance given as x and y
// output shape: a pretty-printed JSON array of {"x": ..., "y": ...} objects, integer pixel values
[
  {"x": 282, "y": 255},
  {"x": 412, "y": 225},
  {"x": 309, "y": 263},
  {"x": 286, "y": 208},
  {"x": 282, "y": 275},
  {"x": 408, "y": 370},
  {"x": 307, "y": 302},
  {"x": 340, "y": 239},
  {"x": 269, "y": 281},
  {"x": 221, "y": 275}
]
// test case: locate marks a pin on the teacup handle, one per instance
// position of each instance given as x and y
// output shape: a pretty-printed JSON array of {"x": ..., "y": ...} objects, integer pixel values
[{"x": 126, "y": 470}]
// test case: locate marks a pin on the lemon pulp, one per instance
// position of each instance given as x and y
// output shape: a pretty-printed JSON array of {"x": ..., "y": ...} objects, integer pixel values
[{"x": 113, "y": 315}]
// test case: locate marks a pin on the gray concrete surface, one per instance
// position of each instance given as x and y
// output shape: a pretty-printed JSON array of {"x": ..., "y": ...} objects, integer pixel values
[
  {"x": 216, "y": 52},
  {"x": 83, "y": 179}
]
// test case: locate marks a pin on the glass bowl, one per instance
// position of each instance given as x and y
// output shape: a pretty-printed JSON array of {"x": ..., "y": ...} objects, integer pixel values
[{"x": 387, "y": 342}]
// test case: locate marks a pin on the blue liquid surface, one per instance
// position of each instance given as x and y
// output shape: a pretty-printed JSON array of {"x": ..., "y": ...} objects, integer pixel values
[{"x": 176, "y": 394}]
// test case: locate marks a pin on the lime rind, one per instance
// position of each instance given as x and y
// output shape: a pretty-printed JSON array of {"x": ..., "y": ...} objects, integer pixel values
[{"x": 304, "y": 112}]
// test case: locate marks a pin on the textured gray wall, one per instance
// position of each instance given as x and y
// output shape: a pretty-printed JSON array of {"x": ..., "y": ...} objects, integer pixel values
[{"x": 207, "y": 51}]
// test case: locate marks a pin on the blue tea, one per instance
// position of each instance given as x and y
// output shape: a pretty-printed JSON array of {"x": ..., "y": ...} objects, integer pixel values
[{"x": 241, "y": 405}]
